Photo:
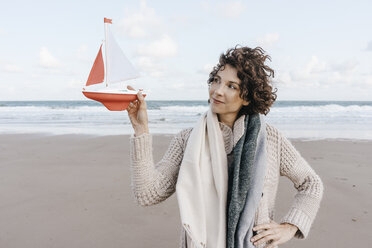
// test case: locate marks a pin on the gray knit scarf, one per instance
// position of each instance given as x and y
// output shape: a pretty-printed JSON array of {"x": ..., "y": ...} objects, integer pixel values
[{"x": 246, "y": 176}]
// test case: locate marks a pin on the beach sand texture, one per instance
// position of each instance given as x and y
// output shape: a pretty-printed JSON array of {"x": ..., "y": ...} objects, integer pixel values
[{"x": 74, "y": 191}]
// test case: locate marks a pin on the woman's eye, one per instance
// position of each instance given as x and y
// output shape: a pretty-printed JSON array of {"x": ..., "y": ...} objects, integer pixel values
[
  {"x": 232, "y": 86},
  {"x": 215, "y": 81}
]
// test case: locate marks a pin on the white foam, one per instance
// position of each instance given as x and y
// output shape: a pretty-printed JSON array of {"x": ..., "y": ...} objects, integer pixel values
[
  {"x": 185, "y": 109},
  {"x": 310, "y": 122}
]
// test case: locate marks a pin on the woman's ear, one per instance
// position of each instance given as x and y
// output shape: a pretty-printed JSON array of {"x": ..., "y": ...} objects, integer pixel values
[{"x": 245, "y": 103}]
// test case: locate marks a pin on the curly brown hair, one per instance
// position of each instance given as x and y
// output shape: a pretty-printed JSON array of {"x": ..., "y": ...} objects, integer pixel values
[{"x": 255, "y": 76}]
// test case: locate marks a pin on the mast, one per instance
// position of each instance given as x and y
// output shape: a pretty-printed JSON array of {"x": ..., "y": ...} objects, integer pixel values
[
  {"x": 106, "y": 80},
  {"x": 107, "y": 22}
]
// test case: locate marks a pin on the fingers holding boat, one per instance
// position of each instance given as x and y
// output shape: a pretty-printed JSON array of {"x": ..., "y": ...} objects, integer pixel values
[
  {"x": 137, "y": 111},
  {"x": 141, "y": 101},
  {"x": 140, "y": 96},
  {"x": 131, "y": 105},
  {"x": 130, "y": 109},
  {"x": 130, "y": 87}
]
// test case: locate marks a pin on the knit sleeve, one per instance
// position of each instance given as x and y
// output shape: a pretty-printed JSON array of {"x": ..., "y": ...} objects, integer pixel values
[
  {"x": 153, "y": 183},
  {"x": 308, "y": 185}
]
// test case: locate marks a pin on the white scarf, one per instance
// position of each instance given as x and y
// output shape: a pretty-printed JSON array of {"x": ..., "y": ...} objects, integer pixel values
[{"x": 202, "y": 184}]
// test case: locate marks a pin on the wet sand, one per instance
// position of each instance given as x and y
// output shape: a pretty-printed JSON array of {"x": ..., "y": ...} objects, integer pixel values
[{"x": 74, "y": 191}]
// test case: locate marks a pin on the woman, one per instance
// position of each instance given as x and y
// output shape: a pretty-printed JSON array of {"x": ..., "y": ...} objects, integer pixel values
[{"x": 226, "y": 169}]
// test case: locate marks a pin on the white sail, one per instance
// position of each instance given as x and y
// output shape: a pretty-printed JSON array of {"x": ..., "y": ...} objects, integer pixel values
[{"x": 118, "y": 67}]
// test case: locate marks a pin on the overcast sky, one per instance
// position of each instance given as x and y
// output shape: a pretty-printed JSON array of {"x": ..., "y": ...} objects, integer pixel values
[{"x": 321, "y": 50}]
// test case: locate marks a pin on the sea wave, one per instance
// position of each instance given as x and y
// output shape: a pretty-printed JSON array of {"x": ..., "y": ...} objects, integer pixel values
[
  {"x": 185, "y": 109},
  {"x": 295, "y": 119},
  {"x": 329, "y": 108},
  {"x": 325, "y": 108},
  {"x": 52, "y": 109}
]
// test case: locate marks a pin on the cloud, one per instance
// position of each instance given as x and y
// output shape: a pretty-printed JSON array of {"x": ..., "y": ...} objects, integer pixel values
[
  {"x": 178, "y": 86},
  {"x": 268, "y": 40},
  {"x": 145, "y": 24},
  {"x": 141, "y": 24},
  {"x": 368, "y": 80},
  {"x": 369, "y": 46},
  {"x": 345, "y": 66},
  {"x": 315, "y": 66},
  {"x": 229, "y": 9},
  {"x": 74, "y": 84},
  {"x": 47, "y": 60},
  {"x": 162, "y": 48},
  {"x": 283, "y": 78},
  {"x": 183, "y": 20},
  {"x": 12, "y": 68},
  {"x": 319, "y": 74},
  {"x": 315, "y": 73},
  {"x": 148, "y": 66},
  {"x": 206, "y": 69},
  {"x": 81, "y": 53}
]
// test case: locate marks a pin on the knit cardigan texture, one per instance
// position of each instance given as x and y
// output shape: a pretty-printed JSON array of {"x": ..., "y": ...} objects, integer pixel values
[{"x": 154, "y": 183}]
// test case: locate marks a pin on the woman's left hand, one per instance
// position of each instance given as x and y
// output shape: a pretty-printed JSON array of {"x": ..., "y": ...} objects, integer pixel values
[{"x": 278, "y": 233}]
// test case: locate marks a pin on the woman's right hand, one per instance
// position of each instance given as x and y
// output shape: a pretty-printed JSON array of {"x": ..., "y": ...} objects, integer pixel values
[{"x": 137, "y": 112}]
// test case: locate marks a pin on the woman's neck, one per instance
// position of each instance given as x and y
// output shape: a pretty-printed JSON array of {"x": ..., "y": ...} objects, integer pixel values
[{"x": 227, "y": 119}]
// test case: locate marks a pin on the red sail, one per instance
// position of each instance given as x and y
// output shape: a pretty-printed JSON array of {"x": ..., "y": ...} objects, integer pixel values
[{"x": 97, "y": 74}]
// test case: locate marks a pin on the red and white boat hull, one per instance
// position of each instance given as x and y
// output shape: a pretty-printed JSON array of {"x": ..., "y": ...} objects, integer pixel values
[{"x": 112, "y": 101}]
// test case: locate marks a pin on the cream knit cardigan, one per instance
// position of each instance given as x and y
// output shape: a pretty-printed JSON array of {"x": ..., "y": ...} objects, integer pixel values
[{"x": 153, "y": 183}]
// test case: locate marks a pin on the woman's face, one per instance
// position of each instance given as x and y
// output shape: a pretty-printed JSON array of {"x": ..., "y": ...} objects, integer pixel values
[{"x": 224, "y": 92}]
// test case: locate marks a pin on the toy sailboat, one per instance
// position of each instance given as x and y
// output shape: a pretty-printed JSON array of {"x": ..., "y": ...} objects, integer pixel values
[{"x": 118, "y": 69}]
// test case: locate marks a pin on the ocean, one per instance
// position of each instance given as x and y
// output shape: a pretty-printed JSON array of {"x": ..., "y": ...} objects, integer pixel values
[{"x": 306, "y": 120}]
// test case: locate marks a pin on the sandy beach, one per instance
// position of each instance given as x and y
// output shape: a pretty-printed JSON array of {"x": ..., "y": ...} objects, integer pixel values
[{"x": 74, "y": 191}]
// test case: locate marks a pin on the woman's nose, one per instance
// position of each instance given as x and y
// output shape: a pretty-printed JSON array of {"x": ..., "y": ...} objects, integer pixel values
[{"x": 219, "y": 89}]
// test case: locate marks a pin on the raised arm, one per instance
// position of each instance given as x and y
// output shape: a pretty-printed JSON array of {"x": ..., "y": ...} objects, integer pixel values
[
  {"x": 153, "y": 183},
  {"x": 307, "y": 183}
]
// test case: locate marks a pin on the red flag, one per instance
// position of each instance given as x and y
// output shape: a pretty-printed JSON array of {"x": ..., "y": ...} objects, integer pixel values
[{"x": 106, "y": 20}]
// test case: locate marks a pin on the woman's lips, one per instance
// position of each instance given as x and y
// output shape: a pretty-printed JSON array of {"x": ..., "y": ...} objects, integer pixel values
[{"x": 216, "y": 101}]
